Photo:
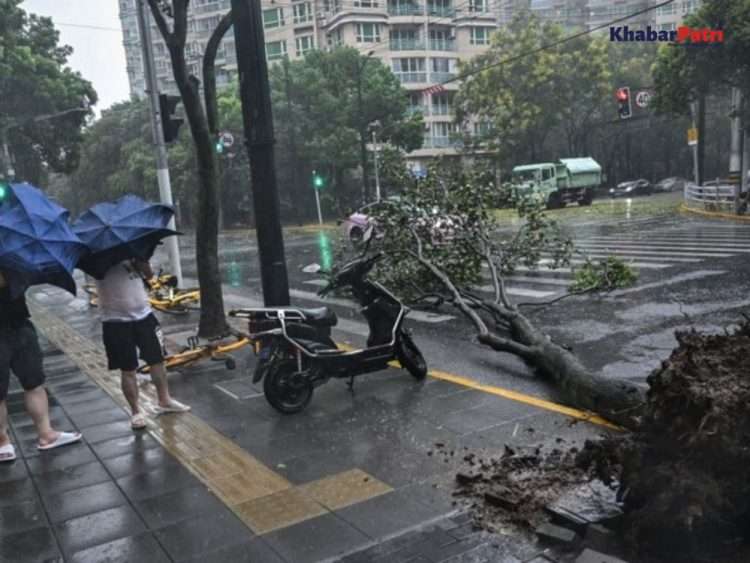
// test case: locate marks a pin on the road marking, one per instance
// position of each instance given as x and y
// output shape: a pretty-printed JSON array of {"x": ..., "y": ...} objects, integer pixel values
[
  {"x": 638, "y": 257},
  {"x": 523, "y": 398},
  {"x": 649, "y": 249},
  {"x": 666, "y": 253},
  {"x": 421, "y": 316},
  {"x": 676, "y": 244},
  {"x": 518, "y": 291},
  {"x": 508, "y": 394},
  {"x": 538, "y": 280}
]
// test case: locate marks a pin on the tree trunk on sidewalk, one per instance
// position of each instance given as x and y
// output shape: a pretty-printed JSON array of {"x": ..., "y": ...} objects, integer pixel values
[{"x": 212, "y": 318}]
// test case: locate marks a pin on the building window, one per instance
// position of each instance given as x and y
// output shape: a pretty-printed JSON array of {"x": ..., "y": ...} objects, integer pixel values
[
  {"x": 334, "y": 39},
  {"x": 666, "y": 10},
  {"x": 482, "y": 128},
  {"x": 477, "y": 5},
  {"x": 667, "y": 27},
  {"x": 368, "y": 33},
  {"x": 275, "y": 50},
  {"x": 690, "y": 6},
  {"x": 365, "y": 3},
  {"x": 302, "y": 12},
  {"x": 304, "y": 43},
  {"x": 273, "y": 18},
  {"x": 480, "y": 35},
  {"x": 409, "y": 69}
]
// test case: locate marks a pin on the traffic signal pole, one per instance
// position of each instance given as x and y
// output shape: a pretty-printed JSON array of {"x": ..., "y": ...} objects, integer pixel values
[
  {"x": 162, "y": 165},
  {"x": 255, "y": 94}
]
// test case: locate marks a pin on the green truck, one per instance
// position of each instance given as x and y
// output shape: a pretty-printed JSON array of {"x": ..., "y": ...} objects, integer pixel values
[{"x": 559, "y": 183}]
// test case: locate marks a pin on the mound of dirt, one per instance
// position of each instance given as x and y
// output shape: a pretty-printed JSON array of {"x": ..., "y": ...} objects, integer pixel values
[{"x": 685, "y": 476}]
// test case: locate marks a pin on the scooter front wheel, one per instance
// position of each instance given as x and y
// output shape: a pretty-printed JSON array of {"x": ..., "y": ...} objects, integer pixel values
[
  {"x": 410, "y": 357},
  {"x": 286, "y": 390}
]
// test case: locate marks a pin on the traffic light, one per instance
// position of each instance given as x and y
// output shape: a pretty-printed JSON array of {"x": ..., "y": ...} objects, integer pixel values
[
  {"x": 624, "y": 107},
  {"x": 4, "y": 190},
  {"x": 317, "y": 180},
  {"x": 219, "y": 146},
  {"x": 170, "y": 125}
]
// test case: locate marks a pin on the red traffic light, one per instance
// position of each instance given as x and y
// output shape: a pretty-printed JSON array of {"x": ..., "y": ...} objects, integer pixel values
[{"x": 623, "y": 94}]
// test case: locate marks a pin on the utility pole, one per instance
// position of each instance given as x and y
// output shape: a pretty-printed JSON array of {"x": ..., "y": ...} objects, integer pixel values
[
  {"x": 6, "y": 169},
  {"x": 258, "y": 124},
  {"x": 375, "y": 159},
  {"x": 696, "y": 171},
  {"x": 292, "y": 136},
  {"x": 362, "y": 128},
  {"x": 735, "y": 145},
  {"x": 162, "y": 165}
]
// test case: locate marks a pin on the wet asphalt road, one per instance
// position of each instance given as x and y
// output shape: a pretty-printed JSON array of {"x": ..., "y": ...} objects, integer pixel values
[{"x": 692, "y": 272}]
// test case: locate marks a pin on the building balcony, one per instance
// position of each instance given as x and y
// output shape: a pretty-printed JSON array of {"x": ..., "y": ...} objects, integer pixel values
[
  {"x": 441, "y": 76},
  {"x": 443, "y": 44},
  {"x": 411, "y": 77},
  {"x": 412, "y": 110},
  {"x": 441, "y": 143},
  {"x": 407, "y": 45},
  {"x": 405, "y": 10},
  {"x": 441, "y": 110},
  {"x": 441, "y": 11}
]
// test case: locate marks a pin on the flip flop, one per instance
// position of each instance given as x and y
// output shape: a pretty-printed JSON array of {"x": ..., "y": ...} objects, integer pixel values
[
  {"x": 174, "y": 406},
  {"x": 7, "y": 453},
  {"x": 138, "y": 421},
  {"x": 63, "y": 439}
]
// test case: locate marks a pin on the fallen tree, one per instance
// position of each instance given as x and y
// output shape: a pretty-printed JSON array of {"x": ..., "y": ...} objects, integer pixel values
[{"x": 442, "y": 231}]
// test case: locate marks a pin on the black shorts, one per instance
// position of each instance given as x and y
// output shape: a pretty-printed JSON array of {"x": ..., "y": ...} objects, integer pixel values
[
  {"x": 124, "y": 340},
  {"x": 20, "y": 353}
]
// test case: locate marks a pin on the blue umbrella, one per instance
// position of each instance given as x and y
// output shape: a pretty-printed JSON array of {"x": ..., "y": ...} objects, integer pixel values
[
  {"x": 36, "y": 243},
  {"x": 127, "y": 228}
]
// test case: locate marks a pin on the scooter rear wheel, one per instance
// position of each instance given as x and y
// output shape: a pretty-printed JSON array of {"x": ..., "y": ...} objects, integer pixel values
[
  {"x": 410, "y": 357},
  {"x": 285, "y": 390}
]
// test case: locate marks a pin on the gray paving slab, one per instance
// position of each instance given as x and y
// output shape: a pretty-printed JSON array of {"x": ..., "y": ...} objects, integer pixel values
[
  {"x": 97, "y": 528},
  {"x": 142, "y": 548},
  {"x": 83, "y": 501},
  {"x": 196, "y": 536}
]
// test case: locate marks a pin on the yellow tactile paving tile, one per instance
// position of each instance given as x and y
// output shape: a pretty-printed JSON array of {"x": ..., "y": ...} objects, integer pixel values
[
  {"x": 279, "y": 510},
  {"x": 248, "y": 485},
  {"x": 344, "y": 489}
]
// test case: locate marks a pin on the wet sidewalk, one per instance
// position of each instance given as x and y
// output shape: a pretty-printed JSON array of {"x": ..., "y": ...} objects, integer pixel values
[{"x": 352, "y": 478}]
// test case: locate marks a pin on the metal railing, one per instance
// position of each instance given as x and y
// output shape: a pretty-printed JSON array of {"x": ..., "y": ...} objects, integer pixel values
[
  {"x": 441, "y": 11},
  {"x": 436, "y": 76},
  {"x": 410, "y": 77},
  {"x": 438, "y": 109},
  {"x": 406, "y": 45},
  {"x": 442, "y": 44},
  {"x": 423, "y": 109},
  {"x": 405, "y": 10},
  {"x": 717, "y": 197}
]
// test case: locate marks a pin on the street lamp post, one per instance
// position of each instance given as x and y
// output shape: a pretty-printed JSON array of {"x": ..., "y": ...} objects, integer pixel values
[
  {"x": 375, "y": 125},
  {"x": 362, "y": 131}
]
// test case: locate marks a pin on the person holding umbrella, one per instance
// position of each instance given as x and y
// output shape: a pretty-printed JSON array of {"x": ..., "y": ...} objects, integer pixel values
[
  {"x": 122, "y": 237},
  {"x": 36, "y": 246}
]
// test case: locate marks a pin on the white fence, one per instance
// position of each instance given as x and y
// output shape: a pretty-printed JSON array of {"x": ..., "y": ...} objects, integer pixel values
[{"x": 716, "y": 197}]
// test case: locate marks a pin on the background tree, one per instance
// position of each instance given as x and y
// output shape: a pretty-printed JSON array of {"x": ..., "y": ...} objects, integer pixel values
[
  {"x": 171, "y": 18},
  {"x": 35, "y": 81}
]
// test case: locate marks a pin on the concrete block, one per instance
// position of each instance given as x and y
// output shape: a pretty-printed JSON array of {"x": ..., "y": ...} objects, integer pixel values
[
  {"x": 591, "y": 556},
  {"x": 567, "y": 518},
  {"x": 557, "y": 534},
  {"x": 599, "y": 537}
]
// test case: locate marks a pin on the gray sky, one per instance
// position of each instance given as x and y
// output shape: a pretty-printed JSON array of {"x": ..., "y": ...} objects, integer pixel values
[{"x": 98, "y": 54}]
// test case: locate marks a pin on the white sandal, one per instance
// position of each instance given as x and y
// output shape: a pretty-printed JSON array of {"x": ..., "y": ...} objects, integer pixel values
[
  {"x": 63, "y": 439},
  {"x": 138, "y": 421},
  {"x": 174, "y": 406},
  {"x": 7, "y": 453}
]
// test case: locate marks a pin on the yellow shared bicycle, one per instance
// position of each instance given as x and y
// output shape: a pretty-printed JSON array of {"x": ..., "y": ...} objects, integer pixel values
[
  {"x": 164, "y": 295},
  {"x": 195, "y": 351}
]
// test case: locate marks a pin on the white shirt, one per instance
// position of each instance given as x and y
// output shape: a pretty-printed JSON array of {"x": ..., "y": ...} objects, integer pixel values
[{"x": 122, "y": 296}]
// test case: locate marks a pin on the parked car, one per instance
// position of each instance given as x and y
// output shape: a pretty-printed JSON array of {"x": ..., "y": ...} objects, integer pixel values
[
  {"x": 632, "y": 188},
  {"x": 442, "y": 228},
  {"x": 672, "y": 184}
]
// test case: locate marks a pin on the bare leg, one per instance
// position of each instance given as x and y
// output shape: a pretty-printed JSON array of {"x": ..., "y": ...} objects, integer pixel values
[
  {"x": 129, "y": 386},
  {"x": 4, "y": 438},
  {"x": 37, "y": 405},
  {"x": 159, "y": 379}
]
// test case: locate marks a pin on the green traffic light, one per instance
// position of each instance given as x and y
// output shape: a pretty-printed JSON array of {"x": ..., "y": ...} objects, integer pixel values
[
  {"x": 219, "y": 147},
  {"x": 317, "y": 181},
  {"x": 3, "y": 191}
]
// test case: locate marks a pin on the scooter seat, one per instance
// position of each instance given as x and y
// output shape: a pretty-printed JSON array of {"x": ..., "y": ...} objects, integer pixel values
[{"x": 319, "y": 316}]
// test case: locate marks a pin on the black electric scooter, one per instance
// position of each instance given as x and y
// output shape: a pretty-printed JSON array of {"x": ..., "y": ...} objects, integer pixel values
[{"x": 297, "y": 353}]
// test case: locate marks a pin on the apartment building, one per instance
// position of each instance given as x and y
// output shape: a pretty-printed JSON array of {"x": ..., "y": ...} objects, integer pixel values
[{"x": 422, "y": 41}]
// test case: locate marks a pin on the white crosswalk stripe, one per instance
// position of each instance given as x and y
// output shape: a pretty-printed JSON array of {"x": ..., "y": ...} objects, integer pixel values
[{"x": 651, "y": 251}]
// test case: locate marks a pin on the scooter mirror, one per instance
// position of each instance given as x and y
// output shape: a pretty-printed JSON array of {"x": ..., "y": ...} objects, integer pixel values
[{"x": 312, "y": 269}]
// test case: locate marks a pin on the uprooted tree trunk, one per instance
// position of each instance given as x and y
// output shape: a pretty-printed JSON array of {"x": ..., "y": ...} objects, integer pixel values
[{"x": 617, "y": 400}]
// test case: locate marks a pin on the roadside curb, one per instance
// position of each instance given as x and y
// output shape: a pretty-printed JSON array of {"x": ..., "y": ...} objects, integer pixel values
[{"x": 717, "y": 215}]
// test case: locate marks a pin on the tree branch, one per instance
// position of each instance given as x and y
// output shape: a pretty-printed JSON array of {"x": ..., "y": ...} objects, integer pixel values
[
  {"x": 161, "y": 22},
  {"x": 209, "y": 71},
  {"x": 180, "y": 20}
]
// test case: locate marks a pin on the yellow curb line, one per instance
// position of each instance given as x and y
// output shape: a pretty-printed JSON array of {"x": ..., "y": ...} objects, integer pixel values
[
  {"x": 511, "y": 395},
  {"x": 741, "y": 218}
]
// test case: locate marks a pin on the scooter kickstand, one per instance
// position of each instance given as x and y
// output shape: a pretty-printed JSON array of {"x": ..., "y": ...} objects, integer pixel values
[{"x": 350, "y": 383}]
